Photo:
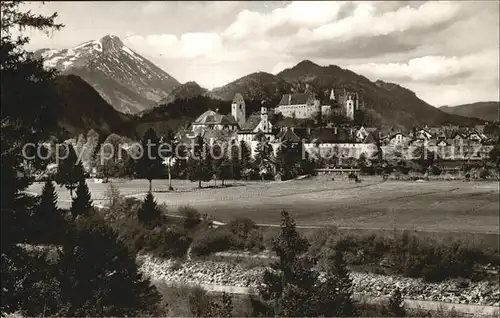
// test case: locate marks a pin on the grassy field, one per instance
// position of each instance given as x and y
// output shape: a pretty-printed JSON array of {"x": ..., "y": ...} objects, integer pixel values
[{"x": 430, "y": 206}]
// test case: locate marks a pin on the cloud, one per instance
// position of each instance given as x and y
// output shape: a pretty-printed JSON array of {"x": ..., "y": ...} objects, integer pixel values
[
  {"x": 281, "y": 66},
  {"x": 432, "y": 68},
  {"x": 295, "y": 15},
  {"x": 198, "y": 45}
]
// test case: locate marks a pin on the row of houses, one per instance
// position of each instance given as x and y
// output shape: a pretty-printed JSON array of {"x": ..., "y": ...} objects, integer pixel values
[{"x": 349, "y": 142}]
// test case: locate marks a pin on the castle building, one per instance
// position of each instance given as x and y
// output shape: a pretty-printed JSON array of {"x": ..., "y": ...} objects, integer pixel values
[
  {"x": 298, "y": 105},
  {"x": 305, "y": 105}
]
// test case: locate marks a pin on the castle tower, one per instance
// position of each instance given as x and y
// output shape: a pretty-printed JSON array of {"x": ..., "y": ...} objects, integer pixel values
[{"x": 238, "y": 109}]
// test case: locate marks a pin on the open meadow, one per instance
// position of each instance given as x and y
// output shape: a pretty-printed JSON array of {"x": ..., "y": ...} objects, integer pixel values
[{"x": 447, "y": 206}]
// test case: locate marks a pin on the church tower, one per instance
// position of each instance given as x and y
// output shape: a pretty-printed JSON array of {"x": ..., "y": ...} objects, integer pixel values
[
  {"x": 332, "y": 95},
  {"x": 264, "y": 118},
  {"x": 238, "y": 109},
  {"x": 349, "y": 107}
]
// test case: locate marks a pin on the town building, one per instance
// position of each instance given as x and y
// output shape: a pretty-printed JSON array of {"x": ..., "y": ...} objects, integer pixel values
[{"x": 214, "y": 120}]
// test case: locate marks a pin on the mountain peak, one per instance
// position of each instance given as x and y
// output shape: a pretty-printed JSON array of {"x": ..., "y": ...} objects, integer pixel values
[
  {"x": 192, "y": 84},
  {"x": 110, "y": 42},
  {"x": 126, "y": 80},
  {"x": 306, "y": 63}
]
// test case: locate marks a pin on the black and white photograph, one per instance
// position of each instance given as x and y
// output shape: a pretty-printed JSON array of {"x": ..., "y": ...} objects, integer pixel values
[{"x": 250, "y": 158}]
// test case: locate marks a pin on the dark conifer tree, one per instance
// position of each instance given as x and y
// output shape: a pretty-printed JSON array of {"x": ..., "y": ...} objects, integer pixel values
[
  {"x": 48, "y": 219},
  {"x": 82, "y": 203},
  {"x": 27, "y": 97},
  {"x": 70, "y": 170},
  {"x": 98, "y": 277},
  {"x": 289, "y": 287},
  {"x": 48, "y": 202},
  {"x": 335, "y": 291},
  {"x": 149, "y": 213},
  {"x": 150, "y": 164}
]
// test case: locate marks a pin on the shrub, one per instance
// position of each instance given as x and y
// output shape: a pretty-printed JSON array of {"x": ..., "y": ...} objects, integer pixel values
[
  {"x": 407, "y": 254},
  {"x": 241, "y": 226},
  {"x": 199, "y": 302},
  {"x": 435, "y": 170},
  {"x": 484, "y": 173},
  {"x": 240, "y": 234},
  {"x": 193, "y": 217},
  {"x": 161, "y": 240},
  {"x": 396, "y": 304},
  {"x": 255, "y": 241},
  {"x": 167, "y": 241},
  {"x": 211, "y": 241},
  {"x": 176, "y": 265}
]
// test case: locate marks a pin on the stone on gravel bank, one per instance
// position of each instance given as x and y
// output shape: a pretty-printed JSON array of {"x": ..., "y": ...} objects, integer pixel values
[{"x": 219, "y": 273}]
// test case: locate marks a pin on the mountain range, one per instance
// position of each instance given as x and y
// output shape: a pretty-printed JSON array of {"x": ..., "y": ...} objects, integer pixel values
[
  {"x": 125, "y": 79},
  {"x": 387, "y": 104},
  {"x": 133, "y": 85},
  {"x": 483, "y": 110}
]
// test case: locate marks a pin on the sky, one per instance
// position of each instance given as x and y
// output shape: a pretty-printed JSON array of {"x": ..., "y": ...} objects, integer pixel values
[{"x": 446, "y": 52}]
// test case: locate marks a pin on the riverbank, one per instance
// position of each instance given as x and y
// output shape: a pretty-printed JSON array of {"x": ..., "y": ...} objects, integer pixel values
[{"x": 484, "y": 293}]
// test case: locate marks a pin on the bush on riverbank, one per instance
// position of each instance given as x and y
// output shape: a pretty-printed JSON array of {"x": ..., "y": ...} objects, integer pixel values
[
  {"x": 165, "y": 239},
  {"x": 239, "y": 234},
  {"x": 406, "y": 254}
]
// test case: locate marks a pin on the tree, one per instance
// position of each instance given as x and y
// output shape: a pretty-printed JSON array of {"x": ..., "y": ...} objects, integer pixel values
[
  {"x": 289, "y": 287},
  {"x": 424, "y": 156},
  {"x": 98, "y": 276},
  {"x": 242, "y": 161},
  {"x": 494, "y": 154},
  {"x": 335, "y": 292},
  {"x": 200, "y": 164},
  {"x": 294, "y": 288},
  {"x": 221, "y": 164},
  {"x": 307, "y": 164},
  {"x": 150, "y": 164},
  {"x": 89, "y": 149},
  {"x": 170, "y": 158},
  {"x": 27, "y": 97},
  {"x": 362, "y": 162},
  {"x": 70, "y": 170},
  {"x": 263, "y": 153},
  {"x": 48, "y": 203},
  {"x": 396, "y": 304},
  {"x": 82, "y": 203},
  {"x": 180, "y": 166},
  {"x": 149, "y": 213},
  {"x": 112, "y": 160},
  {"x": 48, "y": 219}
]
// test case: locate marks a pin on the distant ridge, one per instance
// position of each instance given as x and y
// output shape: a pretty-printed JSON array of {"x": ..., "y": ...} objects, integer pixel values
[{"x": 483, "y": 110}]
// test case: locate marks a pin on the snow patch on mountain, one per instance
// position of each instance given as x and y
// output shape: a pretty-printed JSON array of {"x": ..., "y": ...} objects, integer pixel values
[
  {"x": 130, "y": 82},
  {"x": 126, "y": 49}
]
